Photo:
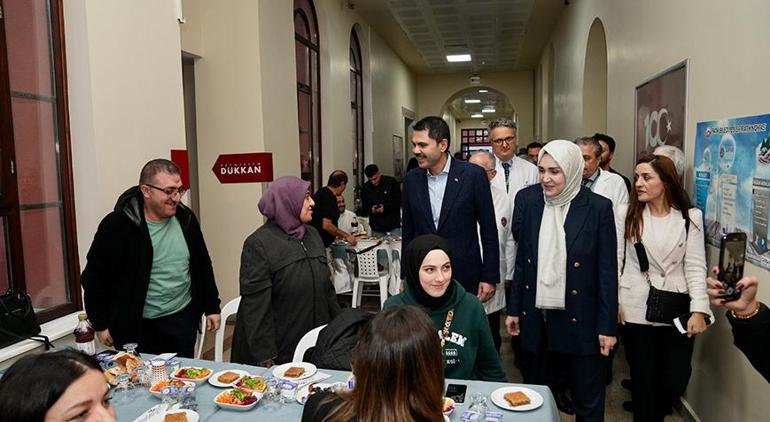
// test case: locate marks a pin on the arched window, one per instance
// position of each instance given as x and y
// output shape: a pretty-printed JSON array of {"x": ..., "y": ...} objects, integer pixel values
[
  {"x": 357, "y": 107},
  {"x": 308, "y": 91}
]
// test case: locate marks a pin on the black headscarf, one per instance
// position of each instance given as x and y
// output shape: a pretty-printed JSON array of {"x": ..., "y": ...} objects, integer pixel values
[{"x": 415, "y": 253}]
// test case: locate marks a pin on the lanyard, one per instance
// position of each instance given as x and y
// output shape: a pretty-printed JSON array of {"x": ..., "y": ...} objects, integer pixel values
[{"x": 447, "y": 324}]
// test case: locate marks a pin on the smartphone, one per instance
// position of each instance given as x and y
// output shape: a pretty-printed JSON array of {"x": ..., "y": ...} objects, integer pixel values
[
  {"x": 732, "y": 255},
  {"x": 456, "y": 392},
  {"x": 681, "y": 322}
]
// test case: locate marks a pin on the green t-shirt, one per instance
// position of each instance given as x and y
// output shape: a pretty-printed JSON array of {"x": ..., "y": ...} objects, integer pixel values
[{"x": 169, "y": 289}]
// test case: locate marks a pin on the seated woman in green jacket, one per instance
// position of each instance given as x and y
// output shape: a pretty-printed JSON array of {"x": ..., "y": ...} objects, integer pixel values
[{"x": 467, "y": 346}]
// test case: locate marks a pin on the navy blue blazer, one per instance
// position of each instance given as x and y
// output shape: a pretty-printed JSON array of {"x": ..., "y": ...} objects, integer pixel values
[
  {"x": 591, "y": 305},
  {"x": 467, "y": 201}
]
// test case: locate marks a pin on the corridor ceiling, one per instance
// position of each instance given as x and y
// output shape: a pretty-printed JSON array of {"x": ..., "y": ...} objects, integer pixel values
[{"x": 500, "y": 35}]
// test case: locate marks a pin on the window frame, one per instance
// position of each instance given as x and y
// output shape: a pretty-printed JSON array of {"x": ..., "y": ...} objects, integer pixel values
[{"x": 306, "y": 10}]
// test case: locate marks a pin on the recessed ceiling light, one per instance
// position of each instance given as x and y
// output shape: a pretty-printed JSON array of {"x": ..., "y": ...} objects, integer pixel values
[
  {"x": 483, "y": 90},
  {"x": 488, "y": 110},
  {"x": 472, "y": 101},
  {"x": 458, "y": 58},
  {"x": 477, "y": 116}
]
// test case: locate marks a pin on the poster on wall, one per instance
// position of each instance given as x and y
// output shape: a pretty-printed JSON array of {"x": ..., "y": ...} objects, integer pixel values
[
  {"x": 732, "y": 181},
  {"x": 660, "y": 110}
]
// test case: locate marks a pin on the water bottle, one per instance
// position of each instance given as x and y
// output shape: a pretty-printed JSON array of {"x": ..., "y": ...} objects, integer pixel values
[{"x": 84, "y": 336}]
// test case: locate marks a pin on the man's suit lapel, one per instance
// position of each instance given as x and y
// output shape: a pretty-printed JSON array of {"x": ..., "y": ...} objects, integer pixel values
[
  {"x": 453, "y": 184},
  {"x": 423, "y": 199},
  {"x": 576, "y": 217}
]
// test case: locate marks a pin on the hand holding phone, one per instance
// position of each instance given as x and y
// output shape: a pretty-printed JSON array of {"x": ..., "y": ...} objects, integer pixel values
[{"x": 732, "y": 256}]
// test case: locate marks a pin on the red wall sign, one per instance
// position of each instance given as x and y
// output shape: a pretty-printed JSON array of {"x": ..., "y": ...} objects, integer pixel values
[
  {"x": 180, "y": 158},
  {"x": 244, "y": 168}
]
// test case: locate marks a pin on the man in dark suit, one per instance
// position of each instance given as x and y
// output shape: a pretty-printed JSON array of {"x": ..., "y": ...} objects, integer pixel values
[{"x": 449, "y": 198}]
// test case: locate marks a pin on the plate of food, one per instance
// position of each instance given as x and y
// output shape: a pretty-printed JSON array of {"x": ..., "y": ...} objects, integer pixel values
[
  {"x": 180, "y": 415},
  {"x": 236, "y": 399},
  {"x": 308, "y": 390},
  {"x": 251, "y": 382},
  {"x": 520, "y": 399},
  {"x": 192, "y": 373},
  {"x": 155, "y": 390},
  {"x": 226, "y": 378},
  {"x": 448, "y": 406},
  {"x": 294, "y": 370}
]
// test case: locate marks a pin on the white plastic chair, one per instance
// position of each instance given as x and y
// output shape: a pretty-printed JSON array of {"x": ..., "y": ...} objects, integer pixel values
[
  {"x": 368, "y": 273},
  {"x": 201, "y": 338},
  {"x": 306, "y": 342},
  {"x": 219, "y": 339}
]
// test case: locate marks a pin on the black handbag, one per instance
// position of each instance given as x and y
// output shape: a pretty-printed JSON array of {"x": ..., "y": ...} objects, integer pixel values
[
  {"x": 18, "y": 321},
  {"x": 664, "y": 306}
]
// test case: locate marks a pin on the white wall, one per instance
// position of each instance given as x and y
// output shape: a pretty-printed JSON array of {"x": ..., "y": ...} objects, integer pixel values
[
  {"x": 125, "y": 99},
  {"x": 434, "y": 90},
  {"x": 726, "y": 44}
]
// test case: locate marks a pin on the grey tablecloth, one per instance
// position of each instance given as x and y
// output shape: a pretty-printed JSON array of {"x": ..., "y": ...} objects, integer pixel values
[{"x": 271, "y": 411}]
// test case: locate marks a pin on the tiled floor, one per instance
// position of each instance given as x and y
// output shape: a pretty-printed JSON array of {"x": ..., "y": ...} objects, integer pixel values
[{"x": 615, "y": 393}]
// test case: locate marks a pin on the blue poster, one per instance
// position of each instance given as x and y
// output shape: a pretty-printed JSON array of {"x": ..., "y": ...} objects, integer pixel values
[{"x": 732, "y": 181}]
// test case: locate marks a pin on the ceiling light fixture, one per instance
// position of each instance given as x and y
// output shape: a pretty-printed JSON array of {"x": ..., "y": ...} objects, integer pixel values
[
  {"x": 477, "y": 116},
  {"x": 472, "y": 101},
  {"x": 488, "y": 110},
  {"x": 452, "y": 58},
  {"x": 483, "y": 91}
]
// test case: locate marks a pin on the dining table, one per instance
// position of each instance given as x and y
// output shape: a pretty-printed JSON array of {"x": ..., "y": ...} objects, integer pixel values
[{"x": 140, "y": 400}]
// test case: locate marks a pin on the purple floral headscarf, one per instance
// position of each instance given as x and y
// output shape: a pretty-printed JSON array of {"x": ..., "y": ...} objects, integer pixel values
[{"x": 282, "y": 203}]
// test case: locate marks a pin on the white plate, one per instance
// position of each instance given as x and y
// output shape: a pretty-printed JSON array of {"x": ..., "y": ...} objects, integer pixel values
[
  {"x": 304, "y": 391},
  {"x": 192, "y": 416},
  {"x": 235, "y": 406},
  {"x": 213, "y": 378},
  {"x": 536, "y": 400},
  {"x": 310, "y": 370},
  {"x": 191, "y": 379},
  {"x": 158, "y": 394}
]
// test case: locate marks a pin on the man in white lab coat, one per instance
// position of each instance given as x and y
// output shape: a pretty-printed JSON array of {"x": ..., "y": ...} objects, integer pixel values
[
  {"x": 507, "y": 247},
  {"x": 602, "y": 182}
]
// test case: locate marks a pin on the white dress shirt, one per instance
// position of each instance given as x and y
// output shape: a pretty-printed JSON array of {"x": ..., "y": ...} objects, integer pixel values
[{"x": 436, "y": 188}]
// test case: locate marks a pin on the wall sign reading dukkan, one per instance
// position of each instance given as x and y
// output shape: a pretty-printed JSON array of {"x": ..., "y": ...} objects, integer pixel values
[
  {"x": 250, "y": 167},
  {"x": 732, "y": 181}
]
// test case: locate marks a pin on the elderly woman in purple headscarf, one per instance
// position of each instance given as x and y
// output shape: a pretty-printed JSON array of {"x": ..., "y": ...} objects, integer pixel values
[{"x": 286, "y": 288}]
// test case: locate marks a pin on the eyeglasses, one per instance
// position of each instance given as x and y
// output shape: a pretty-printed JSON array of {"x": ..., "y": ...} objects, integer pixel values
[
  {"x": 509, "y": 140},
  {"x": 169, "y": 191}
]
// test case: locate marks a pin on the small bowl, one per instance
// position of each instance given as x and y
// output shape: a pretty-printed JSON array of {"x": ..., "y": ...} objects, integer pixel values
[{"x": 448, "y": 404}]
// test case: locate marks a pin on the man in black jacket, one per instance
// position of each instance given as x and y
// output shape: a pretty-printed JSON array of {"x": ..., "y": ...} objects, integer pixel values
[
  {"x": 149, "y": 277},
  {"x": 381, "y": 199}
]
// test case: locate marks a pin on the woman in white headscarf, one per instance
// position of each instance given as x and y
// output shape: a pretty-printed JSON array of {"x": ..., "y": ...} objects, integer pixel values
[{"x": 564, "y": 298}]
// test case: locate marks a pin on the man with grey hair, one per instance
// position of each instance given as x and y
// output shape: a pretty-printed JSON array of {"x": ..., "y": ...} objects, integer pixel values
[
  {"x": 513, "y": 173},
  {"x": 149, "y": 277},
  {"x": 675, "y": 154},
  {"x": 506, "y": 245}
]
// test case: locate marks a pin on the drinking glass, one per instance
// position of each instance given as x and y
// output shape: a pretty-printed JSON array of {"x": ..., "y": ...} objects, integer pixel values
[
  {"x": 142, "y": 376},
  {"x": 169, "y": 395},
  {"x": 272, "y": 392},
  {"x": 288, "y": 391},
  {"x": 187, "y": 398},
  {"x": 478, "y": 407}
]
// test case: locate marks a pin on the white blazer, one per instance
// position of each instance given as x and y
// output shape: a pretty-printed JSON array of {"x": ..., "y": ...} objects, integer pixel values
[
  {"x": 681, "y": 261},
  {"x": 503, "y": 215}
]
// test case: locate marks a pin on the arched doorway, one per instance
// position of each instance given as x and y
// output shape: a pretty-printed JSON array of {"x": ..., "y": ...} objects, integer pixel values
[
  {"x": 595, "y": 81},
  {"x": 468, "y": 113}
]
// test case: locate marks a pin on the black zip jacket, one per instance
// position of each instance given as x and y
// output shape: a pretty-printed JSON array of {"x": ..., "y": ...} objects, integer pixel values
[{"x": 117, "y": 273}]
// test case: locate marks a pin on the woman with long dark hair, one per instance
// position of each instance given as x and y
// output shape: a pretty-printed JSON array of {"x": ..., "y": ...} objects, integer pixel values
[
  {"x": 56, "y": 386},
  {"x": 399, "y": 373},
  {"x": 458, "y": 316},
  {"x": 665, "y": 250},
  {"x": 563, "y": 300}
]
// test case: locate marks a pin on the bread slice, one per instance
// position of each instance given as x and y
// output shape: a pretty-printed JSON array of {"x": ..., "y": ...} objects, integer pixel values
[
  {"x": 175, "y": 417},
  {"x": 228, "y": 377},
  {"x": 516, "y": 398},
  {"x": 294, "y": 372}
]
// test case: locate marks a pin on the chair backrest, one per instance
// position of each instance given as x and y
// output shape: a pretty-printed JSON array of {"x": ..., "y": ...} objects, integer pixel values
[
  {"x": 201, "y": 338},
  {"x": 367, "y": 266},
  {"x": 219, "y": 339},
  {"x": 306, "y": 342}
]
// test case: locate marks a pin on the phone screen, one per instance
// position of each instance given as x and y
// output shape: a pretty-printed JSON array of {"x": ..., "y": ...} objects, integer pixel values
[
  {"x": 733, "y": 257},
  {"x": 456, "y": 392}
]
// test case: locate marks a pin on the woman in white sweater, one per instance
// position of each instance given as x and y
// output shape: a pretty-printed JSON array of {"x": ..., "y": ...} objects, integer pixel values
[{"x": 664, "y": 248}]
